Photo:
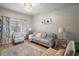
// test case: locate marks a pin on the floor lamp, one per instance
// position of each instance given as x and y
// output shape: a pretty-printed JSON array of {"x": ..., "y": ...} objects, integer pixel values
[{"x": 61, "y": 31}]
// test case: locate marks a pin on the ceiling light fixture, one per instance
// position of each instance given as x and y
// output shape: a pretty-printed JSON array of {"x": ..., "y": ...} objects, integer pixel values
[{"x": 28, "y": 6}]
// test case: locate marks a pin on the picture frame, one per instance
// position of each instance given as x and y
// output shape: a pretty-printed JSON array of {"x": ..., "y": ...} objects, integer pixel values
[{"x": 47, "y": 21}]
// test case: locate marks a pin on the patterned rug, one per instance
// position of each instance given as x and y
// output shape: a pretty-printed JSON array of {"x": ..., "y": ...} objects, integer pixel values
[{"x": 22, "y": 50}]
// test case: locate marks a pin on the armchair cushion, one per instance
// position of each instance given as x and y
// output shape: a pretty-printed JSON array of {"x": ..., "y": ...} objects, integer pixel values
[{"x": 70, "y": 53}]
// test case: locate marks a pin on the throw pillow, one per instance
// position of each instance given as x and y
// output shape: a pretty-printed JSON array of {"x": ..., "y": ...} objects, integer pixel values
[
  {"x": 43, "y": 35},
  {"x": 49, "y": 34},
  {"x": 38, "y": 35}
]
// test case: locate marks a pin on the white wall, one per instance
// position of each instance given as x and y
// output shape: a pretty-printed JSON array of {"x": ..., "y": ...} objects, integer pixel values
[{"x": 67, "y": 17}]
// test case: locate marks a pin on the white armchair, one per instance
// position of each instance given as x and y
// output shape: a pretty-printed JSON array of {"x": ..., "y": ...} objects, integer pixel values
[
  {"x": 70, "y": 50},
  {"x": 18, "y": 37}
]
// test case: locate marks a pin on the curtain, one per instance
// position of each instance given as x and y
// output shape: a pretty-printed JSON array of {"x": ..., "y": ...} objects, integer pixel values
[
  {"x": 18, "y": 26},
  {"x": 10, "y": 25},
  {"x": 6, "y": 30},
  {"x": 1, "y": 27}
]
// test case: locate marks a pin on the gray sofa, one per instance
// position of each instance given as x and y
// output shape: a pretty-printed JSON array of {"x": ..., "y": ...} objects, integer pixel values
[{"x": 43, "y": 38}]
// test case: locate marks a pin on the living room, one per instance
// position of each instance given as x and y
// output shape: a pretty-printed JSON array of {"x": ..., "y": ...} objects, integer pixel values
[{"x": 52, "y": 27}]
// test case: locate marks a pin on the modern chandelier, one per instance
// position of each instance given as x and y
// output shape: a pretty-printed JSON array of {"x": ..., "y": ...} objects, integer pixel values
[{"x": 28, "y": 6}]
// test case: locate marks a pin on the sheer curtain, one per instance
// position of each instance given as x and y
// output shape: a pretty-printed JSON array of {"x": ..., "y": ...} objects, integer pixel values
[
  {"x": 6, "y": 30},
  {"x": 1, "y": 26},
  {"x": 18, "y": 26},
  {"x": 9, "y": 25}
]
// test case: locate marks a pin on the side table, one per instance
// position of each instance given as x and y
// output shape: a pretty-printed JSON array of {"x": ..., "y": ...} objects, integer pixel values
[
  {"x": 26, "y": 37},
  {"x": 60, "y": 44}
]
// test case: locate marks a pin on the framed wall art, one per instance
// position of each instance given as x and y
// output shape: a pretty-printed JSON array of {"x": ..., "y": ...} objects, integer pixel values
[{"x": 47, "y": 21}]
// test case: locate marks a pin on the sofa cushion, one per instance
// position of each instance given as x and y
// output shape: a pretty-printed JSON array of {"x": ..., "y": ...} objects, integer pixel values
[
  {"x": 44, "y": 41},
  {"x": 36, "y": 38}
]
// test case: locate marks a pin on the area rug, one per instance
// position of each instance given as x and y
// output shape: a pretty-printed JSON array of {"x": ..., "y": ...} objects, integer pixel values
[{"x": 22, "y": 50}]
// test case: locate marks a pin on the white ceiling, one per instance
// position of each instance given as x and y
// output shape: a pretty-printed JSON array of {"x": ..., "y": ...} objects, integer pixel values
[{"x": 36, "y": 9}]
